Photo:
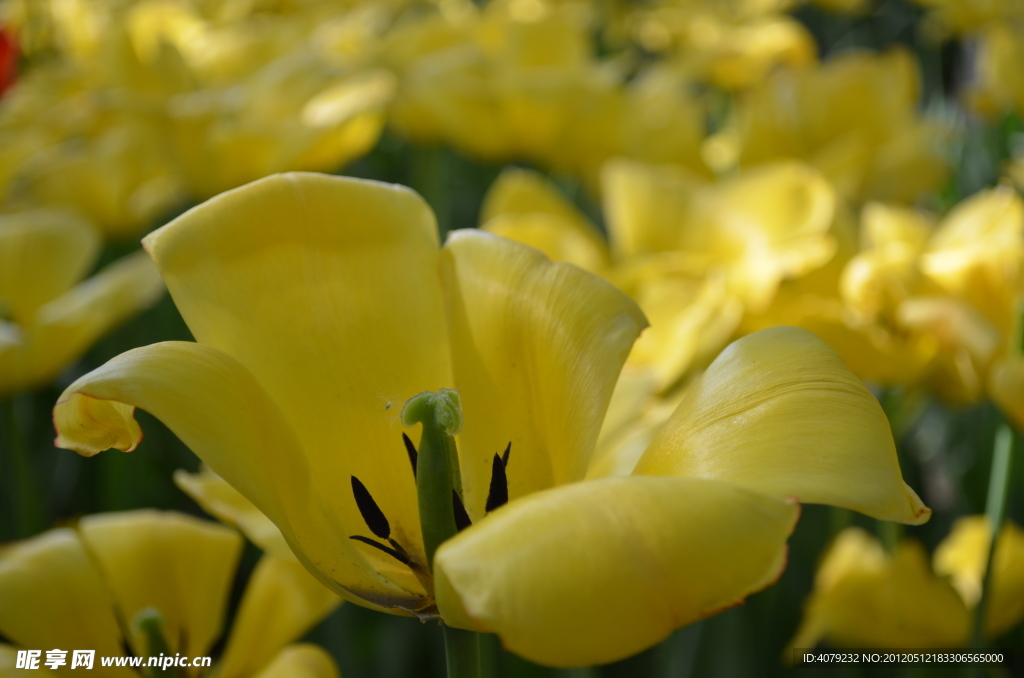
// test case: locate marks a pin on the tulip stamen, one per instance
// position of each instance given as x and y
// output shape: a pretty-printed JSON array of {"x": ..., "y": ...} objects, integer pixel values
[
  {"x": 381, "y": 528},
  {"x": 410, "y": 449},
  {"x": 462, "y": 520},
  {"x": 368, "y": 508},
  {"x": 497, "y": 495},
  {"x": 399, "y": 555}
]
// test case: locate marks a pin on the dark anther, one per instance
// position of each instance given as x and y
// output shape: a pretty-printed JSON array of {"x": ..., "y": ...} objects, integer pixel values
[
  {"x": 462, "y": 520},
  {"x": 498, "y": 493},
  {"x": 401, "y": 556},
  {"x": 504, "y": 457},
  {"x": 372, "y": 514},
  {"x": 411, "y": 450}
]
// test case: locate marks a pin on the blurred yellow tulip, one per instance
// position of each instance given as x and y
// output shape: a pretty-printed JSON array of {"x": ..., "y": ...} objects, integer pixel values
[
  {"x": 309, "y": 338},
  {"x": 97, "y": 585},
  {"x": 865, "y": 597},
  {"x": 49, "y": 316},
  {"x": 977, "y": 254},
  {"x": 853, "y": 117},
  {"x": 297, "y": 113},
  {"x": 121, "y": 179}
]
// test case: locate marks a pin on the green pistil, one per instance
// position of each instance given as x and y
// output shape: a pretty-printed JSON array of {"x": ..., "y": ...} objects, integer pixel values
[
  {"x": 437, "y": 466},
  {"x": 150, "y": 623}
]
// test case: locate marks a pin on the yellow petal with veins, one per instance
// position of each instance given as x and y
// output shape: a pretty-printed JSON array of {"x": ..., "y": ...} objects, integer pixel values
[
  {"x": 324, "y": 288},
  {"x": 228, "y": 505},
  {"x": 737, "y": 425},
  {"x": 178, "y": 565},
  {"x": 53, "y": 596},
  {"x": 301, "y": 661},
  {"x": 217, "y": 408},
  {"x": 962, "y": 557},
  {"x": 637, "y": 558},
  {"x": 536, "y": 347},
  {"x": 281, "y": 603}
]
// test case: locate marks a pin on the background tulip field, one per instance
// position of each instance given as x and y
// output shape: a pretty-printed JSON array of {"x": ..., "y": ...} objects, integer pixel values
[{"x": 852, "y": 167}]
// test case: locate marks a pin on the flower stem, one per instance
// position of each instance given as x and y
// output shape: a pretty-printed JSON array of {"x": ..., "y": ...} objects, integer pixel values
[
  {"x": 27, "y": 507},
  {"x": 995, "y": 512},
  {"x": 462, "y": 649}
]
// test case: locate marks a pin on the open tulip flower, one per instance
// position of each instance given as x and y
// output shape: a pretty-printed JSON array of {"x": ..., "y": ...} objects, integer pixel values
[
  {"x": 327, "y": 316},
  {"x": 865, "y": 597},
  {"x": 154, "y": 582}
]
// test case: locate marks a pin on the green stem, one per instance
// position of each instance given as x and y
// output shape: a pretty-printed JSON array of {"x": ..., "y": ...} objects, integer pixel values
[
  {"x": 27, "y": 507},
  {"x": 462, "y": 650},
  {"x": 890, "y": 534},
  {"x": 995, "y": 512}
]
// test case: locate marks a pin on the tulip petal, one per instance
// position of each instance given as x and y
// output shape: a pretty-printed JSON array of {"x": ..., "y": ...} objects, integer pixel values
[
  {"x": 1006, "y": 384},
  {"x": 558, "y": 239},
  {"x": 520, "y": 191},
  {"x": 962, "y": 557},
  {"x": 52, "y": 595},
  {"x": 524, "y": 206},
  {"x": 66, "y": 327},
  {"x": 301, "y": 661},
  {"x": 281, "y": 603},
  {"x": 227, "y": 505},
  {"x": 637, "y": 558},
  {"x": 323, "y": 287},
  {"x": 767, "y": 224},
  {"x": 43, "y": 253},
  {"x": 176, "y": 564},
  {"x": 779, "y": 412},
  {"x": 646, "y": 206},
  {"x": 865, "y": 598},
  {"x": 216, "y": 407},
  {"x": 536, "y": 347}
]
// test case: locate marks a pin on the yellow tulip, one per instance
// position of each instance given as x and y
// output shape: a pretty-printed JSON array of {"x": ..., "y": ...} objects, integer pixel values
[
  {"x": 694, "y": 255},
  {"x": 997, "y": 86},
  {"x": 296, "y": 113},
  {"x": 521, "y": 205},
  {"x": 977, "y": 254},
  {"x": 121, "y": 179},
  {"x": 730, "y": 52},
  {"x": 92, "y": 587},
  {"x": 322, "y": 304},
  {"x": 967, "y": 16},
  {"x": 854, "y": 118},
  {"x": 1006, "y": 386},
  {"x": 692, "y": 316},
  {"x": 49, "y": 316},
  {"x": 865, "y": 597}
]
